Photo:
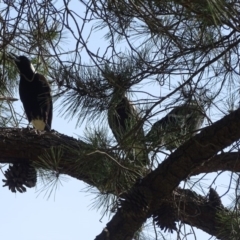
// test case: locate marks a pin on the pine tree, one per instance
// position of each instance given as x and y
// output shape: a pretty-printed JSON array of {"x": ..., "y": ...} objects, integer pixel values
[{"x": 160, "y": 99}]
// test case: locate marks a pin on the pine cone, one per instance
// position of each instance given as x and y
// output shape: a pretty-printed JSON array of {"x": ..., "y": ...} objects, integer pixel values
[
  {"x": 19, "y": 175},
  {"x": 165, "y": 217}
]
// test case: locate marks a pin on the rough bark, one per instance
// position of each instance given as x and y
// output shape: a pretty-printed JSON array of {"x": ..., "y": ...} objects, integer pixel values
[
  {"x": 197, "y": 155},
  {"x": 197, "y": 211},
  {"x": 18, "y": 145},
  {"x": 161, "y": 182}
]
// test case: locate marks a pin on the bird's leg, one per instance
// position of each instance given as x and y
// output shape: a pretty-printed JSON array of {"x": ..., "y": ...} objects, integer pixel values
[
  {"x": 28, "y": 126},
  {"x": 38, "y": 132}
]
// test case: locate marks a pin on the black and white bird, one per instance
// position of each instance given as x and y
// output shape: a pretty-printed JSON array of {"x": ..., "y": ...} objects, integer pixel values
[
  {"x": 35, "y": 94},
  {"x": 124, "y": 121},
  {"x": 177, "y": 126}
]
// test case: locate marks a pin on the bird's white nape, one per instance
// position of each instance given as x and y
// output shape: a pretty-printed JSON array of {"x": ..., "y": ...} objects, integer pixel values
[
  {"x": 32, "y": 67},
  {"x": 39, "y": 124}
]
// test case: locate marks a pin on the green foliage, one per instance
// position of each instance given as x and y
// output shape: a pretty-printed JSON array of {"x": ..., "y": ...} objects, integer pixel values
[
  {"x": 207, "y": 12},
  {"x": 8, "y": 76},
  {"x": 44, "y": 33},
  {"x": 197, "y": 41},
  {"x": 230, "y": 224},
  {"x": 8, "y": 87},
  {"x": 87, "y": 90},
  {"x": 113, "y": 165}
]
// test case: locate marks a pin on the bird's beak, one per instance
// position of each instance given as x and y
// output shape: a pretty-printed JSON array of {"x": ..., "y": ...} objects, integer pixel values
[{"x": 13, "y": 57}]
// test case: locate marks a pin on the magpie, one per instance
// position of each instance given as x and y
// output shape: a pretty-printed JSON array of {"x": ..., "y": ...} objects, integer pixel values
[
  {"x": 125, "y": 123},
  {"x": 121, "y": 117},
  {"x": 35, "y": 94},
  {"x": 177, "y": 126}
]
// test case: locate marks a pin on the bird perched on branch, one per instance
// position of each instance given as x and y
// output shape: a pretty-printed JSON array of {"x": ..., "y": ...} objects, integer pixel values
[
  {"x": 125, "y": 124},
  {"x": 177, "y": 126},
  {"x": 35, "y": 94}
]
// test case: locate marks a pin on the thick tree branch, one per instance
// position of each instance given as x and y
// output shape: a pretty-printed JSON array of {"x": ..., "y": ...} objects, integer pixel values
[
  {"x": 18, "y": 145},
  {"x": 195, "y": 154},
  {"x": 191, "y": 208},
  {"x": 223, "y": 162},
  {"x": 162, "y": 181},
  {"x": 23, "y": 145},
  {"x": 197, "y": 211}
]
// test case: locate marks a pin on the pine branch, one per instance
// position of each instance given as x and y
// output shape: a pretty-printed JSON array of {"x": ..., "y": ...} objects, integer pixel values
[
  {"x": 2, "y": 98},
  {"x": 160, "y": 183},
  {"x": 66, "y": 155},
  {"x": 197, "y": 211},
  {"x": 222, "y": 162},
  {"x": 17, "y": 144},
  {"x": 20, "y": 145}
]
